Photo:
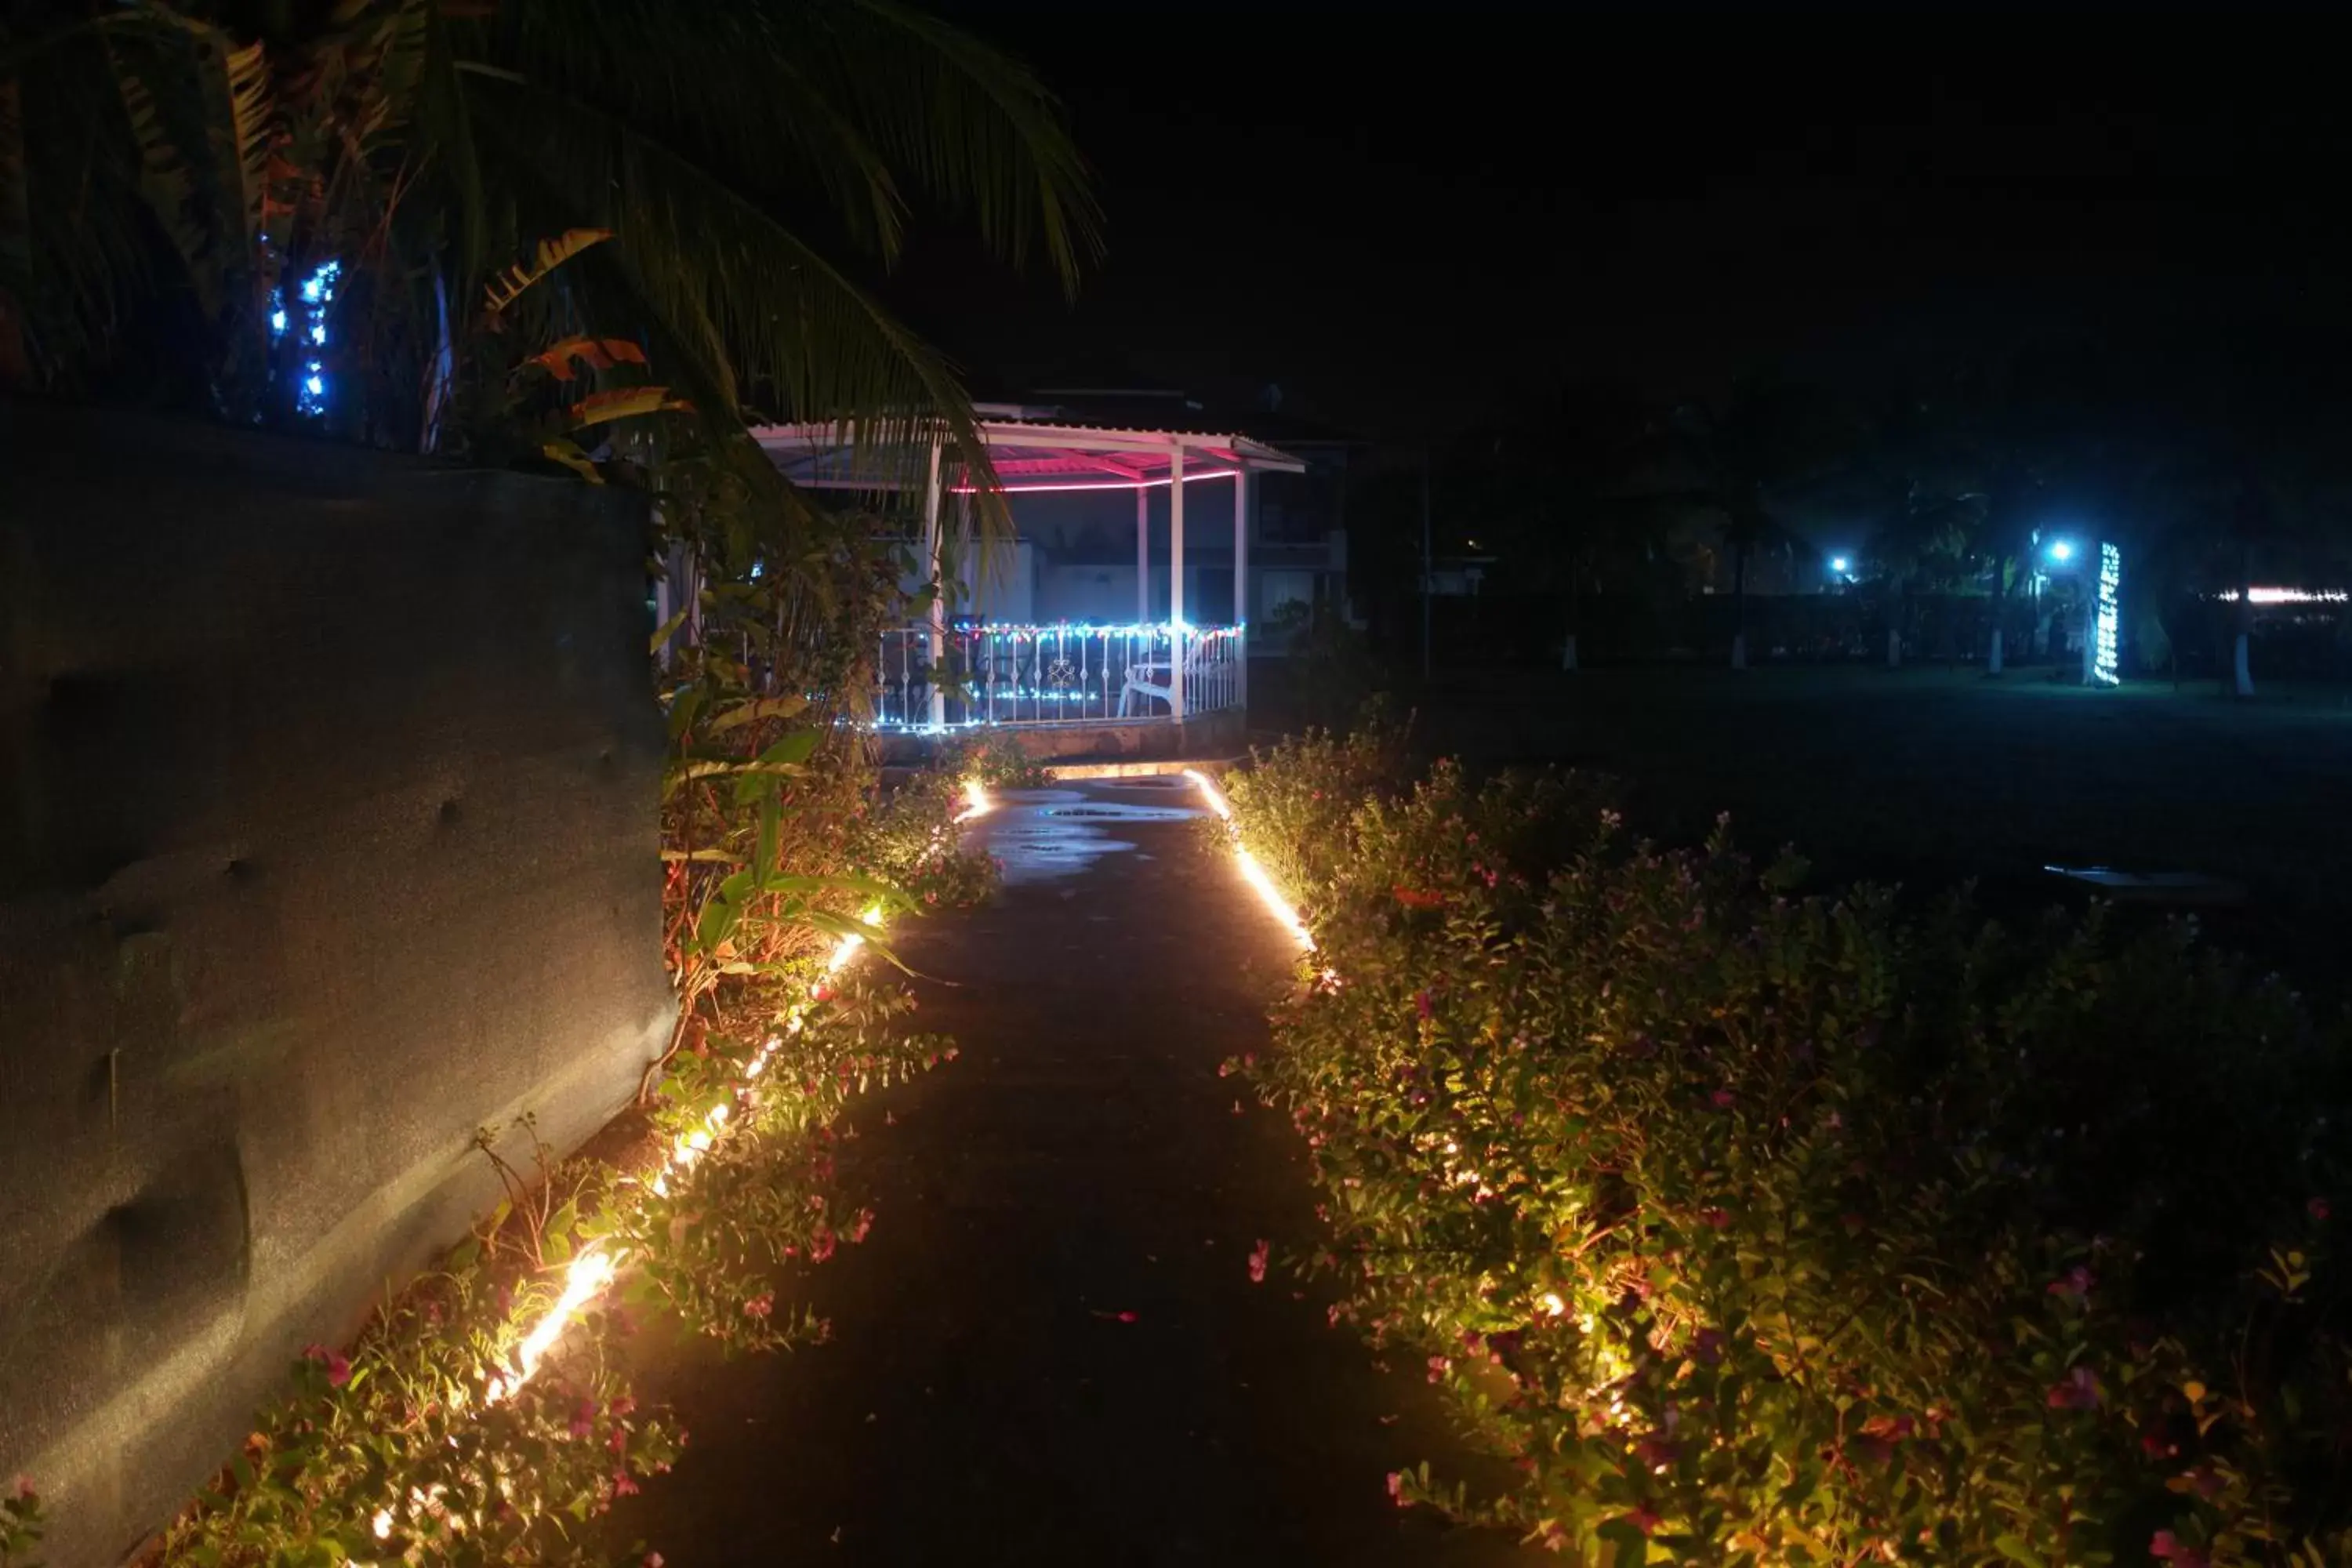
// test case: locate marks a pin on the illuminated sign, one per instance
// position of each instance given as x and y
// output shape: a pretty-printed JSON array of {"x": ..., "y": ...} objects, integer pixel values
[{"x": 2105, "y": 663}]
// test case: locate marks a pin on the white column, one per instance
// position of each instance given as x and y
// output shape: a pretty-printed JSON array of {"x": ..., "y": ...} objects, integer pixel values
[
  {"x": 940, "y": 598},
  {"x": 1142, "y": 556},
  {"x": 1241, "y": 587},
  {"x": 1176, "y": 580}
]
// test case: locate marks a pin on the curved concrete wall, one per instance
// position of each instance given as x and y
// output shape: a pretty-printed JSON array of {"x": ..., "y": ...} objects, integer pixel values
[{"x": 328, "y": 791}]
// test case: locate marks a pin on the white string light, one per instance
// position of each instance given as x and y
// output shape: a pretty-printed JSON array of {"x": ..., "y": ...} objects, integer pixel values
[{"x": 2105, "y": 639}]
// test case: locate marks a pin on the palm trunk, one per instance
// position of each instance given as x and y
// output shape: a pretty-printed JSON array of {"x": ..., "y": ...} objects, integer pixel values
[
  {"x": 1739, "y": 606},
  {"x": 1575, "y": 607},
  {"x": 2240, "y": 661},
  {"x": 2000, "y": 613}
]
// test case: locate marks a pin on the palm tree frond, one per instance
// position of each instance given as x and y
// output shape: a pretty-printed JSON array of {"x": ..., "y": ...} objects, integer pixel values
[
  {"x": 977, "y": 130},
  {"x": 545, "y": 257}
]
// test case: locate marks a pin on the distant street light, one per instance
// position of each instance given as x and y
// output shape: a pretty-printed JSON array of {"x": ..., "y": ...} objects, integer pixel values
[
  {"x": 1839, "y": 563},
  {"x": 2062, "y": 551}
]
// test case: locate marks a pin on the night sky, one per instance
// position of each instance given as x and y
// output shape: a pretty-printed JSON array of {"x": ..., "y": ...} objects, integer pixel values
[{"x": 1407, "y": 219}]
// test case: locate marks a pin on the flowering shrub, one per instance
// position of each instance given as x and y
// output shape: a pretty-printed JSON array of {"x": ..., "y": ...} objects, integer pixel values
[
  {"x": 432, "y": 1440},
  {"x": 423, "y": 1445},
  {"x": 904, "y": 840},
  {"x": 1759, "y": 1227},
  {"x": 995, "y": 759},
  {"x": 22, "y": 1519}
]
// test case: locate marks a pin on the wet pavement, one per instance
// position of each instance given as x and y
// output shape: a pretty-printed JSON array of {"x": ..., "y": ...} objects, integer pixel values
[{"x": 1050, "y": 1350}]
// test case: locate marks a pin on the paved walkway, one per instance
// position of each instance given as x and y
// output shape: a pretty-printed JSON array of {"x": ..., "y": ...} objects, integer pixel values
[{"x": 987, "y": 1398}]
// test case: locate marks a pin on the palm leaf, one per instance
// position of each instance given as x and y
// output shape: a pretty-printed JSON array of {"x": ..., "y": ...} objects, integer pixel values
[
  {"x": 549, "y": 255},
  {"x": 975, "y": 128},
  {"x": 569, "y": 454},
  {"x": 625, "y": 403},
  {"x": 597, "y": 354},
  {"x": 243, "y": 133},
  {"x": 714, "y": 269}
]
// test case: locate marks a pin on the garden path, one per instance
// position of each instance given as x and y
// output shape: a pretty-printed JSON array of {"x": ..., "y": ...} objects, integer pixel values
[{"x": 1050, "y": 1350}]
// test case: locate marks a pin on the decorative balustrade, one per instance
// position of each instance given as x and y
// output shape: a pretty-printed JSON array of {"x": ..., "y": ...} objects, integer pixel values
[{"x": 1055, "y": 673}]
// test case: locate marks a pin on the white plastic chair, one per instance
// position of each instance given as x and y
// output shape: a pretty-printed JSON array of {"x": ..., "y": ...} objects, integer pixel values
[{"x": 1140, "y": 681}]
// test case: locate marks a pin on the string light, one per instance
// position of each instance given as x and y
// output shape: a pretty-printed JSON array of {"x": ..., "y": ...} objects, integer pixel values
[{"x": 2289, "y": 595}]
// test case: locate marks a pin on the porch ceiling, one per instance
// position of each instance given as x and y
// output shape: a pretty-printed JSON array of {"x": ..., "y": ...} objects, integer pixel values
[{"x": 1029, "y": 455}]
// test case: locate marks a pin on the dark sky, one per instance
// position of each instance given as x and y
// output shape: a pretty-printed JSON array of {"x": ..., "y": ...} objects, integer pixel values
[{"x": 1406, "y": 218}]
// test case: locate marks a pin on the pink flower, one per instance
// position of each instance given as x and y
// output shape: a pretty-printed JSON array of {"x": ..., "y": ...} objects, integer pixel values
[
  {"x": 865, "y": 1223},
  {"x": 1396, "y": 1488},
  {"x": 1439, "y": 1365},
  {"x": 1722, "y": 1099},
  {"x": 1421, "y": 1003},
  {"x": 339, "y": 1367},
  {"x": 623, "y": 1406},
  {"x": 583, "y": 1418},
  {"x": 2317, "y": 1208},
  {"x": 1258, "y": 1261},
  {"x": 1719, "y": 1218},
  {"x": 761, "y": 1306},
  {"x": 2074, "y": 1285},
  {"x": 24, "y": 1492},
  {"x": 1654, "y": 1452},
  {"x": 622, "y": 1485},
  {"x": 821, "y": 1244},
  {"x": 654, "y": 1560},
  {"x": 1640, "y": 1519},
  {"x": 2078, "y": 1391},
  {"x": 2165, "y": 1544}
]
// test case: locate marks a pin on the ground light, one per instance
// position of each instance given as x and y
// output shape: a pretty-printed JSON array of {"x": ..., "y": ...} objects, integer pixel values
[
  {"x": 1252, "y": 872},
  {"x": 1549, "y": 1304},
  {"x": 595, "y": 1266}
]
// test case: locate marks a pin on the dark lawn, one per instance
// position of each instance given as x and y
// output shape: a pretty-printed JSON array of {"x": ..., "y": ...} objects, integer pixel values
[{"x": 1927, "y": 776}]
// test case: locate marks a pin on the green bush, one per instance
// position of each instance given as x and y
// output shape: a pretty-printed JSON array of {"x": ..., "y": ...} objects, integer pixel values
[{"x": 1765, "y": 1229}]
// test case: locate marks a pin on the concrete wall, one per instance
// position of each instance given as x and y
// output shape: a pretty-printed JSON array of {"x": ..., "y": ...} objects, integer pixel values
[{"x": 328, "y": 784}]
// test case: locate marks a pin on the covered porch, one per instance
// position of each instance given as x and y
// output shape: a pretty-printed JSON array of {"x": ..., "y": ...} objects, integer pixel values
[{"x": 1047, "y": 672}]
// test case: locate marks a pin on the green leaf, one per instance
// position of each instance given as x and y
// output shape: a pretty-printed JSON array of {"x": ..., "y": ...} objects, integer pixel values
[
  {"x": 568, "y": 453},
  {"x": 758, "y": 708},
  {"x": 666, "y": 631},
  {"x": 764, "y": 854},
  {"x": 687, "y": 703},
  {"x": 2016, "y": 1550},
  {"x": 792, "y": 750}
]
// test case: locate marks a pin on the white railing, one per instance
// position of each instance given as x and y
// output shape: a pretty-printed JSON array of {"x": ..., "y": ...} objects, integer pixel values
[{"x": 1053, "y": 673}]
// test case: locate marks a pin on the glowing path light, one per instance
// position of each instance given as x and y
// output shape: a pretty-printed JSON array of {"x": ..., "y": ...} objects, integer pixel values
[
  {"x": 594, "y": 1268},
  {"x": 1252, "y": 872}
]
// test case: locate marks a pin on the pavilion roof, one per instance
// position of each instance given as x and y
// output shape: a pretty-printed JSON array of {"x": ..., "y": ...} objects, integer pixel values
[{"x": 1033, "y": 448}]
